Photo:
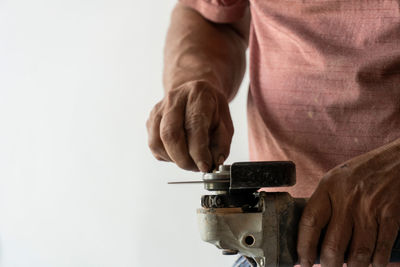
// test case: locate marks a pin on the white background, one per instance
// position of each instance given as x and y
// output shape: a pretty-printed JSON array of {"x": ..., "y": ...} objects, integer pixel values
[{"x": 78, "y": 185}]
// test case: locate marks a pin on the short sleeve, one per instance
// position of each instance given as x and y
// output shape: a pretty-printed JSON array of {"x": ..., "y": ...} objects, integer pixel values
[{"x": 219, "y": 11}]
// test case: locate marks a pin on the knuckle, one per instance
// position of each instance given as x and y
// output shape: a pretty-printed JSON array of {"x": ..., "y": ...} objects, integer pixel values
[
  {"x": 331, "y": 250},
  {"x": 328, "y": 178},
  {"x": 171, "y": 95},
  {"x": 158, "y": 157},
  {"x": 199, "y": 85},
  {"x": 308, "y": 219},
  {"x": 361, "y": 254},
  {"x": 197, "y": 88},
  {"x": 152, "y": 120},
  {"x": 304, "y": 251},
  {"x": 197, "y": 121},
  {"x": 170, "y": 134},
  {"x": 158, "y": 106},
  {"x": 174, "y": 99},
  {"x": 202, "y": 90},
  {"x": 155, "y": 147},
  {"x": 156, "y": 110}
]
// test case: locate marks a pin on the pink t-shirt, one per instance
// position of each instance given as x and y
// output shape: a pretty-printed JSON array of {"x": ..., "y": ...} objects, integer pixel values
[{"x": 324, "y": 79}]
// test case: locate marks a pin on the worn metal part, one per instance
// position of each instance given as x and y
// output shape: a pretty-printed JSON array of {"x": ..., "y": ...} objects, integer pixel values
[
  {"x": 229, "y": 200},
  {"x": 222, "y": 174},
  {"x": 242, "y": 220},
  {"x": 265, "y": 235}
]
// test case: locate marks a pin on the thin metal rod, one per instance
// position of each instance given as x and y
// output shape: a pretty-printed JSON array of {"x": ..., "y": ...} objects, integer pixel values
[{"x": 201, "y": 182}]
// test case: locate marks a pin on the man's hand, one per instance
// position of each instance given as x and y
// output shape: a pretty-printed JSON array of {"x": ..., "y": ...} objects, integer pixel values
[
  {"x": 191, "y": 126},
  {"x": 204, "y": 64},
  {"x": 359, "y": 203}
]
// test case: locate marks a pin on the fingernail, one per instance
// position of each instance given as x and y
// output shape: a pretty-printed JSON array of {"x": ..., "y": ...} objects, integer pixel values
[
  {"x": 203, "y": 166},
  {"x": 221, "y": 160}
]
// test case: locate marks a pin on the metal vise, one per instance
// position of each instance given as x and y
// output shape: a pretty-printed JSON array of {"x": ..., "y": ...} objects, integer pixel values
[{"x": 263, "y": 226}]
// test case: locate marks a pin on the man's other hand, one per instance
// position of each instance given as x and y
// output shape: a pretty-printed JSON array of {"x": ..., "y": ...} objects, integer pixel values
[
  {"x": 359, "y": 205},
  {"x": 191, "y": 126}
]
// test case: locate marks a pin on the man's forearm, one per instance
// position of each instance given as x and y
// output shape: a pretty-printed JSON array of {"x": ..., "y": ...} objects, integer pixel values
[{"x": 197, "y": 49}]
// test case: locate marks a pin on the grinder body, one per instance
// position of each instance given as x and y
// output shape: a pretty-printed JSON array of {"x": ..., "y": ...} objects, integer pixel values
[{"x": 260, "y": 225}]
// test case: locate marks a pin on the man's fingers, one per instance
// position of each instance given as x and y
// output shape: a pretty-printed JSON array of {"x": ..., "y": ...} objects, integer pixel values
[
  {"x": 200, "y": 111},
  {"x": 336, "y": 239},
  {"x": 315, "y": 216},
  {"x": 220, "y": 144},
  {"x": 362, "y": 243},
  {"x": 173, "y": 136},
  {"x": 181, "y": 126},
  {"x": 221, "y": 136},
  {"x": 154, "y": 139},
  {"x": 387, "y": 233}
]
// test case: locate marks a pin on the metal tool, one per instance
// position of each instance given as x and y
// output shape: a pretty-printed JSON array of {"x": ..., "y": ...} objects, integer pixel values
[{"x": 263, "y": 226}]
